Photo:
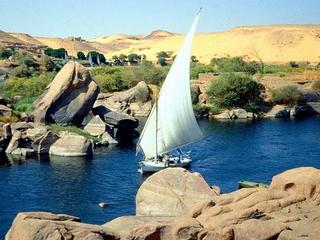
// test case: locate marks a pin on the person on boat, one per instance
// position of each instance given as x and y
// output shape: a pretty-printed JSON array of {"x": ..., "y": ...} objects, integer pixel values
[{"x": 180, "y": 154}]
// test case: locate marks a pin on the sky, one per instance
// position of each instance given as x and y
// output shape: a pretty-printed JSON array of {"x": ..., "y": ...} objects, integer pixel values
[{"x": 93, "y": 18}]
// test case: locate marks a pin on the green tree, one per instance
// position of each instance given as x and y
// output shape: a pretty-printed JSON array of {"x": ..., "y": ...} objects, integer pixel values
[
  {"x": 133, "y": 58},
  {"x": 123, "y": 57},
  {"x": 94, "y": 57},
  {"x": 5, "y": 53},
  {"x": 57, "y": 53},
  {"x": 194, "y": 59},
  {"x": 81, "y": 56},
  {"x": 163, "y": 58},
  {"x": 235, "y": 90}
]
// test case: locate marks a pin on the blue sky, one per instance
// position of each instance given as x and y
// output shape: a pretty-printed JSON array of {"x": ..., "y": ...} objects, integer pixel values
[{"x": 92, "y": 18}]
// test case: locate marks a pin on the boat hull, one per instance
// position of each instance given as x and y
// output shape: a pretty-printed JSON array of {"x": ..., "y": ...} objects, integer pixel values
[{"x": 155, "y": 166}]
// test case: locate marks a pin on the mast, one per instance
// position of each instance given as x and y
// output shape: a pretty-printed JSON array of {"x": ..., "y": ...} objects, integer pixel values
[{"x": 156, "y": 157}]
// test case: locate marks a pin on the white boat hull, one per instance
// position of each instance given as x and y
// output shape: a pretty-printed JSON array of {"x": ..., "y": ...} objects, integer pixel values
[{"x": 155, "y": 166}]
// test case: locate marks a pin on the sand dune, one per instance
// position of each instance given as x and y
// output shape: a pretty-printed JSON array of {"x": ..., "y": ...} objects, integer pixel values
[{"x": 276, "y": 43}]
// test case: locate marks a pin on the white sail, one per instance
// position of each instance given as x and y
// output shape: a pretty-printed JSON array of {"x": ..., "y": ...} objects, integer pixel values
[{"x": 173, "y": 117}]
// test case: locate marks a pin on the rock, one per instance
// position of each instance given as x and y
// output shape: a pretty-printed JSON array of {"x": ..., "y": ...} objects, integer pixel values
[
  {"x": 278, "y": 111},
  {"x": 6, "y": 131},
  {"x": 71, "y": 144},
  {"x": 304, "y": 181},
  {"x": 142, "y": 227},
  {"x": 106, "y": 139},
  {"x": 37, "y": 133},
  {"x": 43, "y": 147},
  {"x": 103, "y": 205},
  {"x": 14, "y": 142},
  {"x": 115, "y": 119},
  {"x": 195, "y": 92},
  {"x": 140, "y": 109},
  {"x": 302, "y": 110},
  {"x": 40, "y": 225},
  {"x": 21, "y": 126},
  {"x": 5, "y": 111},
  {"x": 26, "y": 117},
  {"x": 96, "y": 126},
  {"x": 25, "y": 152},
  {"x": 69, "y": 97},
  {"x": 315, "y": 106},
  {"x": 134, "y": 101},
  {"x": 238, "y": 114},
  {"x": 224, "y": 115},
  {"x": 171, "y": 192}
]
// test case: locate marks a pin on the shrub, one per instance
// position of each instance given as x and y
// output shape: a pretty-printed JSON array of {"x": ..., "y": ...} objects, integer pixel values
[
  {"x": 199, "y": 68},
  {"x": 234, "y": 90},
  {"x": 26, "y": 87},
  {"x": 293, "y": 64},
  {"x": 24, "y": 104},
  {"x": 316, "y": 86},
  {"x": 133, "y": 58},
  {"x": 235, "y": 64},
  {"x": 56, "y": 128},
  {"x": 286, "y": 95},
  {"x": 9, "y": 119},
  {"x": 110, "y": 82},
  {"x": 81, "y": 56},
  {"x": 57, "y": 53},
  {"x": 5, "y": 53}
]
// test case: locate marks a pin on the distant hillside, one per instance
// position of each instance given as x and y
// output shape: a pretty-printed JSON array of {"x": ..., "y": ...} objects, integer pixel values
[{"x": 275, "y": 43}]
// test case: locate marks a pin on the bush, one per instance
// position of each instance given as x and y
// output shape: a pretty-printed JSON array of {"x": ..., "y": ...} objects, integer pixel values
[
  {"x": 199, "y": 68},
  {"x": 316, "y": 86},
  {"x": 293, "y": 64},
  {"x": 24, "y": 104},
  {"x": 234, "y": 90},
  {"x": 235, "y": 64},
  {"x": 57, "y": 53},
  {"x": 56, "y": 128},
  {"x": 286, "y": 95},
  {"x": 5, "y": 53},
  {"x": 81, "y": 56},
  {"x": 26, "y": 87}
]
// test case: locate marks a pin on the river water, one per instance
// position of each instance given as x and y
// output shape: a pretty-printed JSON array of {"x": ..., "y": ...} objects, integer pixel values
[{"x": 229, "y": 152}]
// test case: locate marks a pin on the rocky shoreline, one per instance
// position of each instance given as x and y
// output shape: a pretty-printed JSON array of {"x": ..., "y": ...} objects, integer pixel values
[{"x": 177, "y": 204}]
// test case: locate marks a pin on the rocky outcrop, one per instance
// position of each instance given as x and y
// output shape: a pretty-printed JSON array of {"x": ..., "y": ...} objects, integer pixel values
[
  {"x": 134, "y": 101},
  {"x": 5, "y": 111},
  {"x": 177, "y": 204},
  {"x": 172, "y": 187},
  {"x": 69, "y": 97},
  {"x": 278, "y": 111},
  {"x": 40, "y": 225},
  {"x": 238, "y": 113},
  {"x": 71, "y": 144}
]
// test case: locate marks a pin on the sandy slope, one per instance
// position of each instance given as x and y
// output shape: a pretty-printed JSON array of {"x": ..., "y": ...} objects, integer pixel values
[{"x": 277, "y": 43}]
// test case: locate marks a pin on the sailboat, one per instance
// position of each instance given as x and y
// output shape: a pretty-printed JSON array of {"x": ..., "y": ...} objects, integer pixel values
[{"x": 171, "y": 123}]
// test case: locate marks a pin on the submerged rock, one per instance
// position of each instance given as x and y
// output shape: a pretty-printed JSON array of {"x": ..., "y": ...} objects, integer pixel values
[
  {"x": 71, "y": 144},
  {"x": 69, "y": 97}
]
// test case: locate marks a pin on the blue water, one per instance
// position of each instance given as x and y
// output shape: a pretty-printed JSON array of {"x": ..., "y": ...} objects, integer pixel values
[{"x": 230, "y": 151}]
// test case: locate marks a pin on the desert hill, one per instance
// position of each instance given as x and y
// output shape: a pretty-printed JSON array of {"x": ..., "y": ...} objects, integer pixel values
[{"x": 274, "y": 43}]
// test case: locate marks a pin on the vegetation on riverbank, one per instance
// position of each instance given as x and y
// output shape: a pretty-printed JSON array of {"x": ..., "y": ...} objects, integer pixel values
[{"x": 56, "y": 128}]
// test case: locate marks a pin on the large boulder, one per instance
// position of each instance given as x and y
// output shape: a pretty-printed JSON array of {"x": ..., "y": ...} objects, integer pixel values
[
  {"x": 71, "y": 144},
  {"x": 171, "y": 192},
  {"x": 41, "y": 225},
  {"x": 69, "y": 97},
  {"x": 115, "y": 119},
  {"x": 134, "y": 101},
  {"x": 96, "y": 126}
]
